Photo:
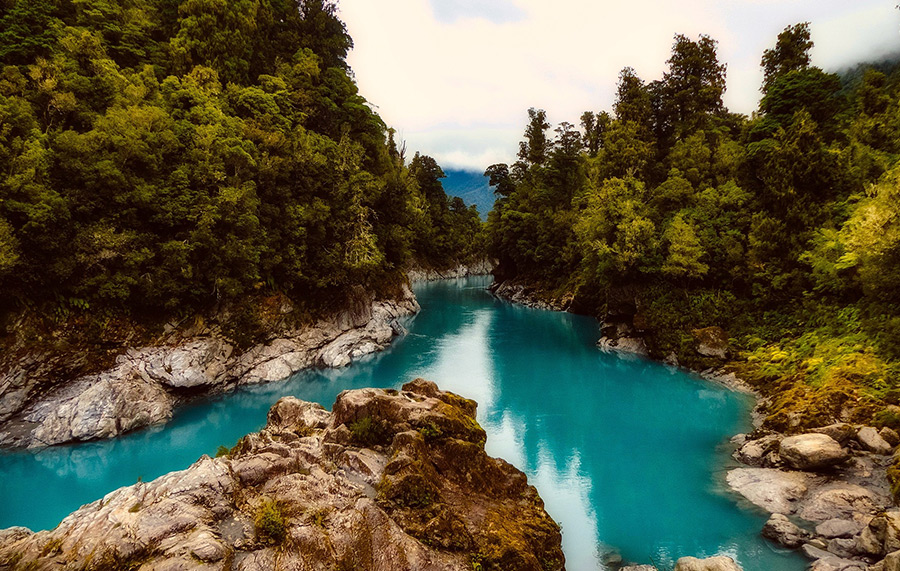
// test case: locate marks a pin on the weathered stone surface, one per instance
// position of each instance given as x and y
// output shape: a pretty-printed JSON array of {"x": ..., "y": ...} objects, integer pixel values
[
  {"x": 882, "y": 535},
  {"x": 624, "y": 345},
  {"x": 638, "y": 568},
  {"x": 836, "y": 527},
  {"x": 783, "y": 531},
  {"x": 837, "y": 500},
  {"x": 891, "y": 562},
  {"x": 890, "y": 436},
  {"x": 479, "y": 268},
  {"x": 773, "y": 490},
  {"x": 146, "y": 383},
  {"x": 440, "y": 498},
  {"x": 98, "y": 406},
  {"x": 718, "y": 563},
  {"x": 711, "y": 342},
  {"x": 826, "y": 561},
  {"x": 841, "y": 431},
  {"x": 811, "y": 451},
  {"x": 870, "y": 440},
  {"x": 759, "y": 452},
  {"x": 193, "y": 364}
]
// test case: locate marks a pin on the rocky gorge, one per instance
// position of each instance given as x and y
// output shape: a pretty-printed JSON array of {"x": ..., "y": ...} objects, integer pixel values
[{"x": 38, "y": 408}]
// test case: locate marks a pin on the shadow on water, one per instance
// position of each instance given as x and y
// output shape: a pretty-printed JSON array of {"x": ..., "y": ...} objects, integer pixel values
[{"x": 627, "y": 454}]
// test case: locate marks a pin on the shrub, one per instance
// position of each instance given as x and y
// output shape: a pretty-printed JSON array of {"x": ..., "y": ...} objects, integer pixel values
[{"x": 269, "y": 522}]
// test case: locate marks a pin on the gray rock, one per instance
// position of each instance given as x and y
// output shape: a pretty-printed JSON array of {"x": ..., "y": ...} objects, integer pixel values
[
  {"x": 783, "y": 531},
  {"x": 838, "y": 500},
  {"x": 811, "y": 451},
  {"x": 891, "y": 562},
  {"x": 841, "y": 431},
  {"x": 639, "y": 568},
  {"x": 882, "y": 535},
  {"x": 197, "y": 363},
  {"x": 890, "y": 436},
  {"x": 624, "y": 345},
  {"x": 827, "y": 561},
  {"x": 835, "y": 527},
  {"x": 773, "y": 490},
  {"x": 755, "y": 452},
  {"x": 718, "y": 563},
  {"x": 872, "y": 441}
]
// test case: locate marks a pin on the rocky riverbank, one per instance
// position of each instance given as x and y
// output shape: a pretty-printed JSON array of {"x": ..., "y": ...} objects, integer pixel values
[
  {"x": 388, "y": 481},
  {"x": 827, "y": 491},
  {"x": 38, "y": 409},
  {"x": 480, "y": 268}
]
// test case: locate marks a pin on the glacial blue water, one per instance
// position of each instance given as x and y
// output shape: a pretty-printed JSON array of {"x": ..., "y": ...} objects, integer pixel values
[{"x": 628, "y": 455}]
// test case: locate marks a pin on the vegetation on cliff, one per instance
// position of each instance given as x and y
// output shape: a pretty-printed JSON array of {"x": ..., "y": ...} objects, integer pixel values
[
  {"x": 781, "y": 227},
  {"x": 164, "y": 157}
]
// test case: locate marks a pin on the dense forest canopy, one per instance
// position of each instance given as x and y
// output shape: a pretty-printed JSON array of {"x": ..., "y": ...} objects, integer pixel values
[
  {"x": 783, "y": 227},
  {"x": 164, "y": 155}
]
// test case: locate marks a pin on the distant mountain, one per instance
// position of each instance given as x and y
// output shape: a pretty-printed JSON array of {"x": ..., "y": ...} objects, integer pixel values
[{"x": 472, "y": 187}]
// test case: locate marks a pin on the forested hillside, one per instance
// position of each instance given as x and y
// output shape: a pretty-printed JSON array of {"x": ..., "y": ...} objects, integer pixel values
[
  {"x": 160, "y": 157},
  {"x": 783, "y": 228}
]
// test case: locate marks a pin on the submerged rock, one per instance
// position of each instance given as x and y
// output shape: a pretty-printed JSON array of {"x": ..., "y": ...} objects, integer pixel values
[
  {"x": 812, "y": 451},
  {"x": 391, "y": 480}
]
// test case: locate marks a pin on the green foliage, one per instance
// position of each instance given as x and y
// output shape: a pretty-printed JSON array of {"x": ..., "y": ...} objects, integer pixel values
[
  {"x": 162, "y": 158},
  {"x": 222, "y": 451},
  {"x": 270, "y": 522},
  {"x": 368, "y": 432},
  {"x": 780, "y": 228}
]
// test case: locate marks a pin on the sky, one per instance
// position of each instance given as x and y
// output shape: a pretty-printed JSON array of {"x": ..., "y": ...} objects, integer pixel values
[{"x": 455, "y": 78}]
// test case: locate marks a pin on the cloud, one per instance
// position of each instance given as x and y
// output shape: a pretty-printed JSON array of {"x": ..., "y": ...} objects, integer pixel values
[
  {"x": 498, "y": 11},
  {"x": 449, "y": 72}
]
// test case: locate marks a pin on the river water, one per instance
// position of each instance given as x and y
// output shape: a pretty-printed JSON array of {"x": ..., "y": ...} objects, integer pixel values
[{"x": 629, "y": 455}]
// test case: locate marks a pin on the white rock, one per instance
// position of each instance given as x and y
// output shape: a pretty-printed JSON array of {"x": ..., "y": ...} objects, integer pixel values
[{"x": 773, "y": 490}]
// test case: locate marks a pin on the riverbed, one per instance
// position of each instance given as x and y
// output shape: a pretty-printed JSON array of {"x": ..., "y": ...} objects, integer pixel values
[{"x": 629, "y": 455}]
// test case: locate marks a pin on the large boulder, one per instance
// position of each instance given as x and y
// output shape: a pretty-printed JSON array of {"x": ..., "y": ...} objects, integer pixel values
[
  {"x": 759, "y": 452},
  {"x": 783, "y": 531},
  {"x": 718, "y": 563},
  {"x": 812, "y": 451},
  {"x": 772, "y": 490},
  {"x": 871, "y": 440}
]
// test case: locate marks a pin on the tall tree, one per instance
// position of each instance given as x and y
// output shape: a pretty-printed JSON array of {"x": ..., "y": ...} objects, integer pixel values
[
  {"x": 791, "y": 53},
  {"x": 533, "y": 150}
]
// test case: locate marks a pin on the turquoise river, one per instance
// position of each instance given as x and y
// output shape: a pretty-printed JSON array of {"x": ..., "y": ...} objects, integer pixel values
[{"x": 630, "y": 456}]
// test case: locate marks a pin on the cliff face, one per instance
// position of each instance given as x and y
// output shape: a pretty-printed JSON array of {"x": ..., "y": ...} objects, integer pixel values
[
  {"x": 39, "y": 409},
  {"x": 388, "y": 481}
]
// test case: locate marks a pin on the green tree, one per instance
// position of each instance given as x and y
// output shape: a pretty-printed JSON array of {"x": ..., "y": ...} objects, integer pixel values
[{"x": 791, "y": 53}]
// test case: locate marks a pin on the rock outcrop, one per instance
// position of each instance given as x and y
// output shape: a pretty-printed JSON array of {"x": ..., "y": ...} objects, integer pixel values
[
  {"x": 391, "y": 480},
  {"x": 480, "y": 268},
  {"x": 146, "y": 383}
]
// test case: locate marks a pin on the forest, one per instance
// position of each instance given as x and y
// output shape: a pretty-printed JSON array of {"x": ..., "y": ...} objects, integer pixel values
[
  {"x": 164, "y": 157},
  {"x": 783, "y": 228}
]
